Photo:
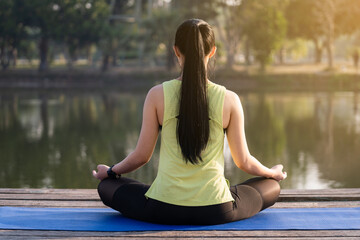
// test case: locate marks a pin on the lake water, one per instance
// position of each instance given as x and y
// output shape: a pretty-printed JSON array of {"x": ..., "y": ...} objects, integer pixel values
[{"x": 55, "y": 139}]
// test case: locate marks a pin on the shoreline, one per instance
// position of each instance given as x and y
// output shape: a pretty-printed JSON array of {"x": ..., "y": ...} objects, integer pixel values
[{"x": 144, "y": 79}]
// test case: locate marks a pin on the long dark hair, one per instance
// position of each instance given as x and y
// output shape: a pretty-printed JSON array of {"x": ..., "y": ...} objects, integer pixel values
[{"x": 194, "y": 38}]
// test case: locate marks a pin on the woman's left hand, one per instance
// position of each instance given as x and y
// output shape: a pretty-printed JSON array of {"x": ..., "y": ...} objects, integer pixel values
[{"x": 102, "y": 172}]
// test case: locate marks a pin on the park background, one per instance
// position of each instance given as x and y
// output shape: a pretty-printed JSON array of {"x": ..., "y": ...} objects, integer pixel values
[{"x": 74, "y": 75}]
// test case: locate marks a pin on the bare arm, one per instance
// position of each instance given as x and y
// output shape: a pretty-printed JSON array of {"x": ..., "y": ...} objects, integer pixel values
[
  {"x": 238, "y": 145},
  {"x": 146, "y": 142}
]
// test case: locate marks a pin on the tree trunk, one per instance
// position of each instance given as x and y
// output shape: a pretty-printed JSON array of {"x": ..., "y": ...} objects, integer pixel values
[
  {"x": 281, "y": 55},
  {"x": 4, "y": 59},
  {"x": 89, "y": 55},
  {"x": 230, "y": 58},
  {"x": 70, "y": 60},
  {"x": 262, "y": 67},
  {"x": 14, "y": 53},
  {"x": 329, "y": 50},
  {"x": 318, "y": 51},
  {"x": 327, "y": 13},
  {"x": 114, "y": 59},
  {"x": 105, "y": 64},
  {"x": 247, "y": 52},
  {"x": 43, "y": 49}
]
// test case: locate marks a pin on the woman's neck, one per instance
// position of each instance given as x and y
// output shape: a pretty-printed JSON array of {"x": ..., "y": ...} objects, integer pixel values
[{"x": 179, "y": 78}]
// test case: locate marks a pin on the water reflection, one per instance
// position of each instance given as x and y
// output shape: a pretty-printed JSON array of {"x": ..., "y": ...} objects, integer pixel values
[{"x": 56, "y": 139}]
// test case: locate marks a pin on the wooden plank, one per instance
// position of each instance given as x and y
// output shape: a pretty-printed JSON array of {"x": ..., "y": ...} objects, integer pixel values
[
  {"x": 94, "y": 191},
  {"x": 91, "y": 194},
  {"x": 99, "y": 204},
  {"x": 50, "y": 196},
  {"x": 95, "y": 197},
  {"x": 54, "y": 204},
  {"x": 300, "y": 198},
  {"x": 322, "y": 191},
  {"x": 345, "y": 194},
  {"x": 46, "y": 190},
  {"x": 330, "y": 234},
  {"x": 323, "y": 204}
]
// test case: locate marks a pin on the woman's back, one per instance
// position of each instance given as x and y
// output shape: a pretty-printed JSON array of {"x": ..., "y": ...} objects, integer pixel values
[
  {"x": 190, "y": 187},
  {"x": 183, "y": 183}
]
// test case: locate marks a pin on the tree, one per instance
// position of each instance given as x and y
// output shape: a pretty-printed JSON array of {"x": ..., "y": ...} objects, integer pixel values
[
  {"x": 326, "y": 12},
  {"x": 82, "y": 24},
  {"x": 230, "y": 30},
  {"x": 322, "y": 20},
  {"x": 347, "y": 17},
  {"x": 160, "y": 30},
  {"x": 115, "y": 34},
  {"x": 265, "y": 28},
  {"x": 43, "y": 15},
  {"x": 11, "y": 32},
  {"x": 337, "y": 17},
  {"x": 206, "y": 10},
  {"x": 303, "y": 23},
  {"x": 246, "y": 11},
  {"x": 161, "y": 25}
]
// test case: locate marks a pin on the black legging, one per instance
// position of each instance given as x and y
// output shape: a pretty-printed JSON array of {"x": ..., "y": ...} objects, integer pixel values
[{"x": 128, "y": 197}]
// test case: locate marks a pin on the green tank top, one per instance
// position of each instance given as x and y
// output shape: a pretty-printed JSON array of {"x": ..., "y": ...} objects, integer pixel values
[{"x": 183, "y": 183}]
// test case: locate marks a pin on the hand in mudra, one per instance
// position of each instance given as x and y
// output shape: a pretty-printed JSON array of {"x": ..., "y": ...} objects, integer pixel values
[
  {"x": 101, "y": 172},
  {"x": 278, "y": 174}
]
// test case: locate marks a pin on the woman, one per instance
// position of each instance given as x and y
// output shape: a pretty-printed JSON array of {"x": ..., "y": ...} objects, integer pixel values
[{"x": 193, "y": 115}]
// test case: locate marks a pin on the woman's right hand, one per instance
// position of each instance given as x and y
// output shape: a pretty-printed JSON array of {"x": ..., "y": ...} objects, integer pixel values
[
  {"x": 102, "y": 172},
  {"x": 278, "y": 174}
]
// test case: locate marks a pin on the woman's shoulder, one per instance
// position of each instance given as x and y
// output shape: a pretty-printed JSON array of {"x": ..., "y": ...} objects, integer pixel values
[
  {"x": 232, "y": 100},
  {"x": 155, "y": 92},
  {"x": 231, "y": 95},
  {"x": 156, "y": 88}
]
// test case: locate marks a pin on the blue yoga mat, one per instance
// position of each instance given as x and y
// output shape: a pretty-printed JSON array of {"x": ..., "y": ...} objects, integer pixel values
[{"x": 100, "y": 219}]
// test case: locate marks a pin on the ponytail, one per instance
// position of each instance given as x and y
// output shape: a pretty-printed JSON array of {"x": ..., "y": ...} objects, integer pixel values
[{"x": 194, "y": 39}]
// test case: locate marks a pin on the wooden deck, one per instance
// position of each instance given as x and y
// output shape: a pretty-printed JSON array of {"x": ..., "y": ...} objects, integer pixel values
[{"x": 81, "y": 198}]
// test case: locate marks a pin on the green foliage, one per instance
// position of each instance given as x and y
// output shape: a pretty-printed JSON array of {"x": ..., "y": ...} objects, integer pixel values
[
  {"x": 161, "y": 26},
  {"x": 265, "y": 28},
  {"x": 303, "y": 20},
  {"x": 347, "y": 16},
  {"x": 309, "y": 19},
  {"x": 159, "y": 29},
  {"x": 41, "y": 14},
  {"x": 78, "y": 24},
  {"x": 11, "y": 31},
  {"x": 28, "y": 49},
  {"x": 10, "y": 26},
  {"x": 205, "y": 9},
  {"x": 296, "y": 48},
  {"x": 82, "y": 22},
  {"x": 116, "y": 37}
]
